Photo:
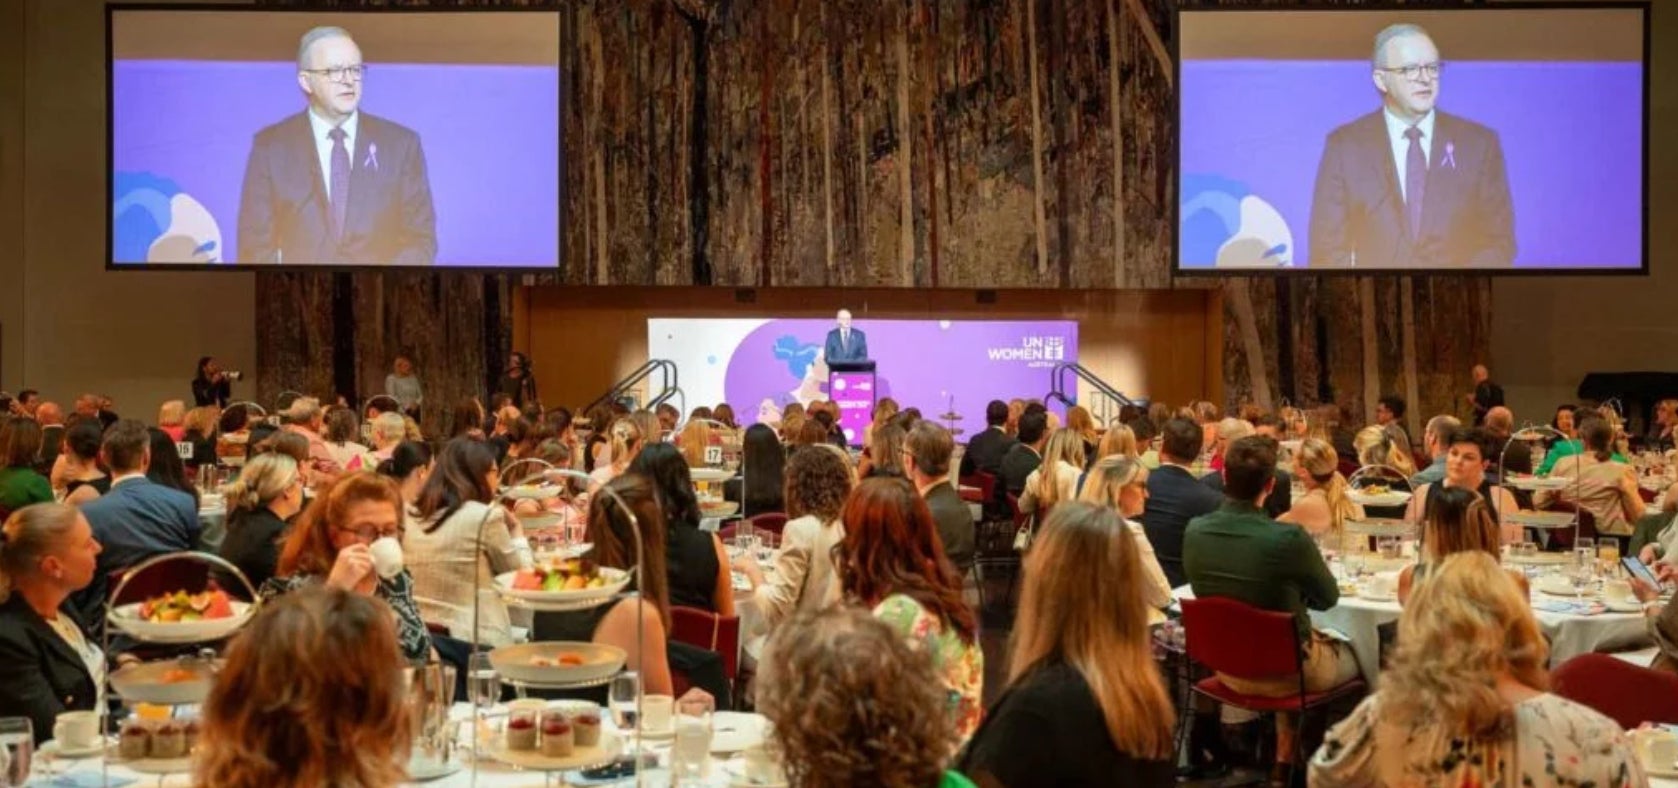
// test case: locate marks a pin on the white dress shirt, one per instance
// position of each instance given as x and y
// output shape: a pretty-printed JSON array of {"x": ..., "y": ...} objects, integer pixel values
[
  {"x": 1401, "y": 145},
  {"x": 323, "y": 144}
]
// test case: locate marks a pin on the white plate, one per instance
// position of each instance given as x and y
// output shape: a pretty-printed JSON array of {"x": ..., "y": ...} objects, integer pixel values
[
  {"x": 513, "y": 662},
  {"x": 127, "y": 618},
  {"x": 719, "y": 509},
  {"x": 143, "y": 683},
  {"x": 616, "y": 579},
  {"x": 1391, "y": 498},
  {"x": 1539, "y": 559},
  {"x": 1556, "y": 585},
  {"x": 710, "y": 474},
  {"x": 1539, "y": 482},
  {"x": 51, "y": 748},
  {"x": 424, "y": 771},
  {"x": 580, "y": 758},
  {"x": 1374, "y": 597},
  {"x": 733, "y": 731},
  {"x": 533, "y": 492},
  {"x": 735, "y": 768},
  {"x": 663, "y": 734},
  {"x": 1540, "y": 519},
  {"x": 1632, "y": 606}
]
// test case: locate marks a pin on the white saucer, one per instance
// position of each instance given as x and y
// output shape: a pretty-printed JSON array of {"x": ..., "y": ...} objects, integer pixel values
[
  {"x": 437, "y": 771},
  {"x": 53, "y": 748},
  {"x": 1656, "y": 770},
  {"x": 1628, "y": 606},
  {"x": 735, "y": 768},
  {"x": 733, "y": 731},
  {"x": 661, "y": 735},
  {"x": 1374, "y": 597}
]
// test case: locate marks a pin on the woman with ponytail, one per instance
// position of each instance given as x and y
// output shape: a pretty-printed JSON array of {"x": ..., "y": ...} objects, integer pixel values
[
  {"x": 48, "y": 666},
  {"x": 264, "y": 499},
  {"x": 1324, "y": 508},
  {"x": 627, "y": 438},
  {"x": 410, "y": 467}
]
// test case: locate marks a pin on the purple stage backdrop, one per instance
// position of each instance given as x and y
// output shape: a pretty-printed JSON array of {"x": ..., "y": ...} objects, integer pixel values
[
  {"x": 1572, "y": 137},
  {"x": 182, "y": 130},
  {"x": 761, "y": 365}
]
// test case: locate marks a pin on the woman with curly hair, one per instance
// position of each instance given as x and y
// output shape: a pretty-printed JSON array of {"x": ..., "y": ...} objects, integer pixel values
[
  {"x": 853, "y": 704},
  {"x": 276, "y": 716},
  {"x": 817, "y": 482},
  {"x": 1463, "y": 701},
  {"x": 891, "y": 560}
]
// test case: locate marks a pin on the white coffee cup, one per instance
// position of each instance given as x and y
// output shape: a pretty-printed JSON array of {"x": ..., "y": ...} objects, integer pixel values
[
  {"x": 1383, "y": 584},
  {"x": 76, "y": 730},
  {"x": 656, "y": 713},
  {"x": 387, "y": 557},
  {"x": 1618, "y": 591}
]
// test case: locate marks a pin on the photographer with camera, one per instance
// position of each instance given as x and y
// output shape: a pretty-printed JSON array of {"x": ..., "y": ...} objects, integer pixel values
[{"x": 213, "y": 386}]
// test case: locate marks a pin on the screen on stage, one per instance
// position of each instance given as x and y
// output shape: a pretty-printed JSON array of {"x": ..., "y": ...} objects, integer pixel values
[
  {"x": 760, "y": 365},
  {"x": 1479, "y": 139},
  {"x": 323, "y": 138}
]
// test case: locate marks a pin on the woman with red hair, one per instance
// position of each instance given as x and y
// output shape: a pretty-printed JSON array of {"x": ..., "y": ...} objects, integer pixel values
[{"x": 893, "y": 562}]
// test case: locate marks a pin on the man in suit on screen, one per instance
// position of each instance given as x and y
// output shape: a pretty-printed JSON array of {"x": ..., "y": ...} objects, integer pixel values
[
  {"x": 845, "y": 343},
  {"x": 1409, "y": 186},
  {"x": 333, "y": 184}
]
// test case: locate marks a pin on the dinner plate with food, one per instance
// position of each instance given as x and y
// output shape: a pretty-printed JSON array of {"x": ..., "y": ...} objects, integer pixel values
[
  {"x": 557, "y": 662},
  {"x": 172, "y": 682},
  {"x": 1378, "y": 495},
  {"x": 182, "y": 617},
  {"x": 533, "y": 492},
  {"x": 566, "y": 582},
  {"x": 1540, "y": 519},
  {"x": 1527, "y": 481}
]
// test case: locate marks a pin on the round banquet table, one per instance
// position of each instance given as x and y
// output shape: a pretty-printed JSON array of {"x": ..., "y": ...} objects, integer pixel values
[
  {"x": 491, "y": 773},
  {"x": 1569, "y": 634}
]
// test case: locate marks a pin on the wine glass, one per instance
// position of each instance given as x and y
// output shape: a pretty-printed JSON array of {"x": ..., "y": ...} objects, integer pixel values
[{"x": 483, "y": 685}]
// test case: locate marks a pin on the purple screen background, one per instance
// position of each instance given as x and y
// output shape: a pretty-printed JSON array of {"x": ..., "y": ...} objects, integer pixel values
[
  {"x": 1572, "y": 136},
  {"x": 920, "y": 363},
  {"x": 490, "y": 133}
]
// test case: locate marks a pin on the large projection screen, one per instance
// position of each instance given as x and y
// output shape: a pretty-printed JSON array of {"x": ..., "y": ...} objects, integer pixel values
[
  {"x": 275, "y": 138},
  {"x": 1503, "y": 138}
]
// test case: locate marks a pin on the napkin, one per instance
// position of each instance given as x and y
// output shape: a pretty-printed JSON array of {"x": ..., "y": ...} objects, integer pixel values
[
  {"x": 1568, "y": 607},
  {"x": 91, "y": 779}
]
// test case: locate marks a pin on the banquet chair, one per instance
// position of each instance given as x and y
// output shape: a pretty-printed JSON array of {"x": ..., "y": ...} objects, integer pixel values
[
  {"x": 708, "y": 631},
  {"x": 1563, "y": 537},
  {"x": 994, "y": 546},
  {"x": 1628, "y": 694},
  {"x": 1229, "y": 637},
  {"x": 774, "y": 522}
]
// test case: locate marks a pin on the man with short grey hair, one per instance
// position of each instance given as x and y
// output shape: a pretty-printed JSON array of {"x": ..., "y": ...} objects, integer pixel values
[
  {"x": 926, "y": 457},
  {"x": 333, "y": 184},
  {"x": 1409, "y": 186},
  {"x": 845, "y": 343},
  {"x": 1436, "y": 441}
]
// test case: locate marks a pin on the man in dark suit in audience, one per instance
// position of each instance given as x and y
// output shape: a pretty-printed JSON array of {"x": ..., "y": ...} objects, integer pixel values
[
  {"x": 986, "y": 450},
  {"x": 926, "y": 458},
  {"x": 1175, "y": 497},
  {"x": 1024, "y": 457},
  {"x": 137, "y": 519}
]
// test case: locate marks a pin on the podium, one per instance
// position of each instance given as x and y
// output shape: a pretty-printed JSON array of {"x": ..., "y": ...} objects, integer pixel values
[{"x": 850, "y": 385}]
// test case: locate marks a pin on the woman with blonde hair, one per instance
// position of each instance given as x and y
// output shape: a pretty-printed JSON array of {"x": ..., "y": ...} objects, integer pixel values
[
  {"x": 647, "y": 422},
  {"x": 1085, "y": 704},
  {"x": 1324, "y": 508},
  {"x": 1378, "y": 446},
  {"x": 1121, "y": 483},
  {"x": 1463, "y": 700},
  {"x": 264, "y": 499},
  {"x": 200, "y": 431},
  {"x": 625, "y": 441},
  {"x": 885, "y": 457},
  {"x": 276, "y": 716},
  {"x": 884, "y": 411},
  {"x": 1120, "y": 441},
  {"x": 171, "y": 418},
  {"x": 1079, "y": 420},
  {"x": 695, "y": 438},
  {"x": 1458, "y": 522},
  {"x": 49, "y": 665},
  {"x": 1056, "y": 479}
]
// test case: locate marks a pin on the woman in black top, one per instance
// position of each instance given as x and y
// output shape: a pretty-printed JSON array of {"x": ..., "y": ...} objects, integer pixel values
[
  {"x": 517, "y": 382},
  {"x": 1082, "y": 616},
  {"x": 212, "y": 386},
  {"x": 760, "y": 487},
  {"x": 77, "y": 469},
  {"x": 166, "y": 466},
  {"x": 697, "y": 562},
  {"x": 264, "y": 499},
  {"x": 48, "y": 665}
]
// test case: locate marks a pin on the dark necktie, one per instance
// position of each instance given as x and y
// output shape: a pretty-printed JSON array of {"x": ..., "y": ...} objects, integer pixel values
[
  {"x": 339, "y": 180},
  {"x": 1415, "y": 181}
]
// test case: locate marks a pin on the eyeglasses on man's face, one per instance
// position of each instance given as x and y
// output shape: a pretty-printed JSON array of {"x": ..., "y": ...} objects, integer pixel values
[
  {"x": 1415, "y": 72},
  {"x": 344, "y": 74}
]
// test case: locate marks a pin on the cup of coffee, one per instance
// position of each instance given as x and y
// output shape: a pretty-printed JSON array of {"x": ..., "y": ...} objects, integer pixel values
[
  {"x": 1618, "y": 592},
  {"x": 656, "y": 713},
  {"x": 76, "y": 730},
  {"x": 387, "y": 557}
]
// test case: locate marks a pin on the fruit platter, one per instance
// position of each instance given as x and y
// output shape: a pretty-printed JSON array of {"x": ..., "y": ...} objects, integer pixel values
[
  {"x": 568, "y": 583},
  {"x": 182, "y": 617}
]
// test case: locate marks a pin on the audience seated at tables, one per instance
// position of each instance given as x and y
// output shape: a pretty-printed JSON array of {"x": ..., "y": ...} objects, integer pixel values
[
  {"x": 723, "y": 414},
  {"x": 469, "y": 417},
  {"x": 885, "y": 410},
  {"x": 1562, "y": 422},
  {"x": 1517, "y": 455},
  {"x": 1240, "y": 553},
  {"x": 1458, "y": 522},
  {"x": 792, "y": 423},
  {"x": 459, "y": 535},
  {"x": 76, "y": 472},
  {"x": 986, "y": 449},
  {"x": 1175, "y": 496},
  {"x": 1575, "y": 443},
  {"x": 48, "y": 663},
  {"x": 1324, "y": 508},
  {"x": 387, "y": 430},
  {"x": 1121, "y": 483},
  {"x": 1390, "y": 409},
  {"x": 696, "y": 561},
  {"x": 343, "y": 439},
  {"x": 20, "y": 484},
  {"x": 1025, "y": 454},
  {"x": 1080, "y": 422},
  {"x": 1597, "y": 484},
  {"x": 695, "y": 438},
  {"x": 853, "y": 704},
  {"x": 1661, "y": 432},
  {"x": 885, "y": 457},
  {"x": 1147, "y": 437},
  {"x": 1056, "y": 479},
  {"x": 1085, "y": 705},
  {"x": 1118, "y": 441},
  {"x": 759, "y": 486},
  {"x": 625, "y": 443},
  {"x": 261, "y": 503},
  {"x": 330, "y": 544},
  {"x": 1016, "y": 409},
  {"x": 1462, "y": 700},
  {"x": 817, "y": 484},
  {"x": 926, "y": 456},
  {"x": 137, "y": 519},
  {"x": 1656, "y": 534},
  {"x": 1434, "y": 441},
  {"x": 891, "y": 561},
  {"x": 312, "y": 694},
  {"x": 1207, "y": 415},
  {"x": 1376, "y": 446},
  {"x": 665, "y": 414},
  {"x": 306, "y": 418},
  {"x": 1332, "y": 421},
  {"x": 1465, "y": 467},
  {"x": 167, "y": 469},
  {"x": 1227, "y": 431}
]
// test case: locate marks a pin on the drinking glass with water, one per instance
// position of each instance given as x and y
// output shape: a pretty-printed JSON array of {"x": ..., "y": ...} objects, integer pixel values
[
  {"x": 17, "y": 750},
  {"x": 621, "y": 696},
  {"x": 692, "y": 749},
  {"x": 483, "y": 685}
]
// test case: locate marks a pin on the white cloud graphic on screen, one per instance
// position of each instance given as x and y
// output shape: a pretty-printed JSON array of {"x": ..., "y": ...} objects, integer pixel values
[{"x": 1262, "y": 232}]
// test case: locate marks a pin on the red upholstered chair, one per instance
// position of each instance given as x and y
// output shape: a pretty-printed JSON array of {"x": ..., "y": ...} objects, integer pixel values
[
  {"x": 1236, "y": 639},
  {"x": 1628, "y": 694},
  {"x": 1563, "y": 537},
  {"x": 709, "y": 631},
  {"x": 774, "y": 522}
]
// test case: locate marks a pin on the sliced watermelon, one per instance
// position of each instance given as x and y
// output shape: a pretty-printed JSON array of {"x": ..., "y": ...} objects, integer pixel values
[{"x": 220, "y": 606}]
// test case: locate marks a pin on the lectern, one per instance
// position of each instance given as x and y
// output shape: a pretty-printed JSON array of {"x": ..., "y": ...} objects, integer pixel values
[{"x": 850, "y": 385}]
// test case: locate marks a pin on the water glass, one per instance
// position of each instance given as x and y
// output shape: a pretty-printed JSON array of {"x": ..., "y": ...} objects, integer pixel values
[
  {"x": 745, "y": 537},
  {"x": 691, "y": 751},
  {"x": 483, "y": 685},
  {"x": 622, "y": 696},
  {"x": 1387, "y": 547},
  {"x": 17, "y": 750}
]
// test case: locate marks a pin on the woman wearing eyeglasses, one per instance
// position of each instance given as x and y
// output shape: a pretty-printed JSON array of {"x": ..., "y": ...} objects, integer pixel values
[{"x": 331, "y": 544}]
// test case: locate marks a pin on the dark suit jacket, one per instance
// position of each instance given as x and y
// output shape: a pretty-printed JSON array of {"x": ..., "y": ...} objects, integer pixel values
[
  {"x": 1357, "y": 210},
  {"x": 1174, "y": 498},
  {"x": 1487, "y": 395},
  {"x": 1017, "y": 464},
  {"x": 857, "y": 350},
  {"x": 284, "y": 215},
  {"x": 41, "y": 676},
  {"x": 955, "y": 523},
  {"x": 985, "y": 452},
  {"x": 1279, "y": 502},
  {"x": 136, "y": 520}
]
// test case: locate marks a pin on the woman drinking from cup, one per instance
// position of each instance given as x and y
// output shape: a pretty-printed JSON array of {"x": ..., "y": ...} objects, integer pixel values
[{"x": 47, "y": 664}]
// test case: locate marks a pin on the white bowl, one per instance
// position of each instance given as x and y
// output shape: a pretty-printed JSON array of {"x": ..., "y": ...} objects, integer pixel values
[{"x": 127, "y": 618}]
